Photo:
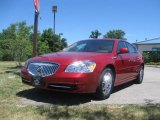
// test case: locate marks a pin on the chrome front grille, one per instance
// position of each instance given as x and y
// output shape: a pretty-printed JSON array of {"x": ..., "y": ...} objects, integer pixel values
[{"x": 42, "y": 68}]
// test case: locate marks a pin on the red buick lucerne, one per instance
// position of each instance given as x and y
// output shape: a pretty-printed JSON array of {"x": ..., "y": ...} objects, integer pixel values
[{"x": 87, "y": 66}]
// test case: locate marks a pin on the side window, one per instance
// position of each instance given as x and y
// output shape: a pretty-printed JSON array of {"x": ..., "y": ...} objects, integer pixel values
[
  {"x": 120, "y": 45},
  {"x": 131, "y": 48}
]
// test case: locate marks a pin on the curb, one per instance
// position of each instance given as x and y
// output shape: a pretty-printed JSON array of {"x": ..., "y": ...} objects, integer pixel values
[{"x": 154, "y": 66}]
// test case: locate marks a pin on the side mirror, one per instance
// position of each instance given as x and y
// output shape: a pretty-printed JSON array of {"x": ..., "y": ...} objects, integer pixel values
[{"x": 123, "y": 50}]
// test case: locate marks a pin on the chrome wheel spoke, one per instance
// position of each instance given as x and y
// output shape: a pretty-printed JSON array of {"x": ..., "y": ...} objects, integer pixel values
[{"x": 107, "y": 83}]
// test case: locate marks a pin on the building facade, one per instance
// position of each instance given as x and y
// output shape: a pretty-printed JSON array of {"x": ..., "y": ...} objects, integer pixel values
[{"x": 151, "y": 45}]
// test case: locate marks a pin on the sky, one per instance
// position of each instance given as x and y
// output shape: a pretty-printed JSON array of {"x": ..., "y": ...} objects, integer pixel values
[{"x": 76, "y": 19}]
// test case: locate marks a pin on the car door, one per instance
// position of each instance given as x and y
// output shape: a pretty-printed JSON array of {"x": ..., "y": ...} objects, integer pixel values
[
  {"x": 133, "y": 60},
  {"x": 122, "y": 64}
]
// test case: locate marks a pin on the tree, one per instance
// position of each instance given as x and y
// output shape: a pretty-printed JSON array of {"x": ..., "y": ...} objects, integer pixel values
[
  {"x": 21, "y": 48},
  {"x": 15, "y": 42},
  {"x": 146, "y": 57},
  {"x": 24, "y": 31},
  {"x": 9, "y": 33},
  {"x": 95, "y": 34},
  {"x": 55, "y": 42},
  {"x": 6, "y": 37},
  {"x": 1, "y": 53},
  {"x": 117, "y": 34},
  {"x": 43, "y": 48},
  {"x": 63, "y": 43}
]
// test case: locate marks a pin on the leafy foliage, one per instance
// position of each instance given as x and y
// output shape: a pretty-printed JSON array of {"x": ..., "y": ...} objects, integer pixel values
[
  {"x": 146, "y": 57},
  {"x": 21, "y": 49},
  {"x": 43, "y": 48},
  {"x": 6, "y": 37},
  {"x": 9, "y": 33},
  {"x": 55, "y": 42},
  {"x": 95, "y": 34},
  {"x": 16, "y": 42},
  {"x": 118, "y": 34},
  {"x": 5, "y": 49},
  {"x": 21, "y": 46},
  {"x": 151, "y": 57}
]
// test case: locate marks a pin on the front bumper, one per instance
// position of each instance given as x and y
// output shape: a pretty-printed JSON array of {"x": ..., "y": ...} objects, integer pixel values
[{"x": 63, "y": 82}]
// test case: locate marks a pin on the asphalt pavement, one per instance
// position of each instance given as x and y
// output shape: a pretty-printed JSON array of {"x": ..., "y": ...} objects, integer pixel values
[{"x": 146, "y": 93}]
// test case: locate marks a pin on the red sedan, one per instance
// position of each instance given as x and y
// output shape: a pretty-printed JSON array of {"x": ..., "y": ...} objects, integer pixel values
[{"x": 88, "y": 66}]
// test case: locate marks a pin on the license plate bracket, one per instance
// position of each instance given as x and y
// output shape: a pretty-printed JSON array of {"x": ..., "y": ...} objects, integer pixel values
[{"x": 37, "y": 81}]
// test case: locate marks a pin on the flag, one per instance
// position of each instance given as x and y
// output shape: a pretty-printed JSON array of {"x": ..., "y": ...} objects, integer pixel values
[{"x": 36, "y": 4}]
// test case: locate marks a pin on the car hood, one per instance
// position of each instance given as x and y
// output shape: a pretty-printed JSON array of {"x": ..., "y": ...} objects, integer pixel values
[{"x": 69, "y": 57}]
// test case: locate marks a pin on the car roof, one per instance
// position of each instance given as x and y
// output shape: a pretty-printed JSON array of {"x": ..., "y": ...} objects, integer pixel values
[{"x": 106, "y": 39}]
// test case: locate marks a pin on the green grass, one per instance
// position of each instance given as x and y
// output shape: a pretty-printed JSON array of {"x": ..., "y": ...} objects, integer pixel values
[{"x": 12, "y": 109}]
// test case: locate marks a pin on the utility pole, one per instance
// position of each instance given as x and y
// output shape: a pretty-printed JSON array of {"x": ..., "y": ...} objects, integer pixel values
[{"x": 54, "y": 10}]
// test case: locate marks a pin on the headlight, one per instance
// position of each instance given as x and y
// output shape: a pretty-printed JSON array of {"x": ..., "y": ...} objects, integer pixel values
[{"x": 81, "y": 67}]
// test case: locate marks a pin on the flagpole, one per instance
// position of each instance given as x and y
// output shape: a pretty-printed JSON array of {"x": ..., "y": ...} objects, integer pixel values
[
  {"x": 36, "y": 4},
  {"x": 35, "y": 34}
]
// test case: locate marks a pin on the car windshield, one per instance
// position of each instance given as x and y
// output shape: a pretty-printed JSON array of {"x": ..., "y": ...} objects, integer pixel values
[{"x": 91, "y": 46}]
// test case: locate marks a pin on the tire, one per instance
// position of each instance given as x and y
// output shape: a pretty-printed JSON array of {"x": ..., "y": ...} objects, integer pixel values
[
  {"x": 139, "y": 79},
  {"x": 106, "y": 82}
]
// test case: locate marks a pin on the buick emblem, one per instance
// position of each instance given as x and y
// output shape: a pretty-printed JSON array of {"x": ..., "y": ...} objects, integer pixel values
[{"x": 39, "y": 71}]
